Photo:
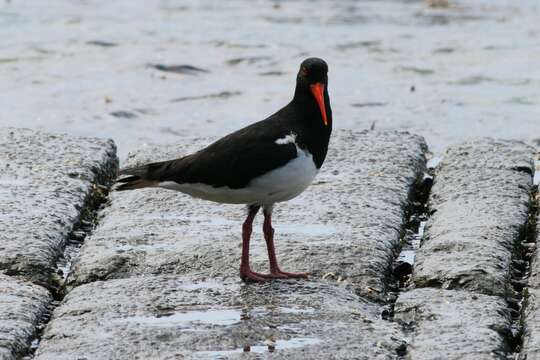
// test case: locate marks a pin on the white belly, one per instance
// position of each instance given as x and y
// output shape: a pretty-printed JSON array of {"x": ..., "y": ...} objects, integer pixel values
[{"x": 281, "y": 184}]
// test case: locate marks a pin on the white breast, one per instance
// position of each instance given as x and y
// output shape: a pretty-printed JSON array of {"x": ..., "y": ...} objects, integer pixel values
[
  {"x": 288, "y": 181},
  {"x": 281, "y": 184}
]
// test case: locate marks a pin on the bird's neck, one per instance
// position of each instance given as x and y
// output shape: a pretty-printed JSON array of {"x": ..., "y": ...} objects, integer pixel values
[
  {"x": 316, "y": 135},
  {"x": 309, "y": 110}
]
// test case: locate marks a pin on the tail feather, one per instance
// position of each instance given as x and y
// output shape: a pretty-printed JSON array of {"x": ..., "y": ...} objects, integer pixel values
[
  {"x": 137, "y": 179},
  {"x": 133, "y": 182},
  {"x": 128, "y": 179}
]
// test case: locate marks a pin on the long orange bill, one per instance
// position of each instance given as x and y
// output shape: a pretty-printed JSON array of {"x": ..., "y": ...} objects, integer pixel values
[{"x": 318, "y": 93}]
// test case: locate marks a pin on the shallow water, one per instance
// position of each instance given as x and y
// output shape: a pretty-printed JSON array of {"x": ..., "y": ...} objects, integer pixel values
[
  {"x": 214, "y": 317},
  {"x": 270, "y": 346},
  {"x": 83, "y": 67}
]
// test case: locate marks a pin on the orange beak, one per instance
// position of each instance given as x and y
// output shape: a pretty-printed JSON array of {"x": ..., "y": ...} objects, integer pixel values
[{"x": 318, "y": 93}]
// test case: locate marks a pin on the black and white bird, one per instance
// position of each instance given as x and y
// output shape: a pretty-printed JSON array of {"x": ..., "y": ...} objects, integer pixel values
[{"x": 270, "y": 161}]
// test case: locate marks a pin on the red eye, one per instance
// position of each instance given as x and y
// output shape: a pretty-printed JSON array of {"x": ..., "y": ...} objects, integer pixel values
[{"x": 304, "y": 72}]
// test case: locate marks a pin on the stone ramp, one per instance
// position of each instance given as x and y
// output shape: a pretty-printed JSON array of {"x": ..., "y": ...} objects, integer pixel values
[
  {"x": 480, "y": 200},
  {"x": 159, "y": 276},
  {"x": 46, "y": 181},
  {"x": 22, "y": 306}
]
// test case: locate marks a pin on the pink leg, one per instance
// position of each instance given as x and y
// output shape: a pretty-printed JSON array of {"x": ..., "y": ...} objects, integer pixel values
[
  {"x": 275, "y": 271},
  {"x": 245, "y": 271}
]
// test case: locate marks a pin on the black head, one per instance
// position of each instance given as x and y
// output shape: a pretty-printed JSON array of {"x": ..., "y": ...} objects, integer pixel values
[
  {"x": 313, "y": 70},
  {"x": 312, "y": 84}
]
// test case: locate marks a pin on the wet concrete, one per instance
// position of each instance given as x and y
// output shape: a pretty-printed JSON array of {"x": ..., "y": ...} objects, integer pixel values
[
  {"x": 354, "y": 210},
  {"x": 46, "y": 181},
  {"x": 159, "y": 275},
  {"x": 453, "y": 324},
  {"x": 531, "y": 338},
  {"x": 480, "y": 202},
  {"x": 162, "y": 317},
  {"x": 531, "y": 314},
  {"x": 22, "y": 305}
]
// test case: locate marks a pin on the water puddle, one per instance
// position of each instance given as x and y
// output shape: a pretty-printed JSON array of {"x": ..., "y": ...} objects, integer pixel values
[
  {"x": 221, "y": 317},
  {"x": 201, "y": 285},
  {"x": 270, "y": 346}
]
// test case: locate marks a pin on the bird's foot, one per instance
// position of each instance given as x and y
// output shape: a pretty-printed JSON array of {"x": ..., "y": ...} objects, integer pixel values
[
  {"x": 251, "y": 276},
  {"x": 278, "y": 274}
]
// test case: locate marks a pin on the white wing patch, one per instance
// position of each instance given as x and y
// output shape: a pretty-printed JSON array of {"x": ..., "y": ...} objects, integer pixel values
[{"x": 288, "y": 139}]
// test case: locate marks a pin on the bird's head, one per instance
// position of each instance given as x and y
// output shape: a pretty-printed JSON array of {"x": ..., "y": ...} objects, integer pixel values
[{"x": 313, "y": 79}]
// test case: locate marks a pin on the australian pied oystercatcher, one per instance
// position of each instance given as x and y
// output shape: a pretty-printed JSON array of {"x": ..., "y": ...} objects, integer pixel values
[{"x": 270, "y": 161}]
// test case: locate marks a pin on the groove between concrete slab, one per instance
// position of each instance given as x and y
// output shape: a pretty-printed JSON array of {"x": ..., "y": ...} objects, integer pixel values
[
  {"x": 524, "y": 254},
  {"x": 84, "y": 226}
]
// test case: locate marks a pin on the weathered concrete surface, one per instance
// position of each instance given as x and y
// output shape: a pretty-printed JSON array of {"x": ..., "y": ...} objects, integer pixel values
[
  {"x": 22, "y": 305},
  {"x": 531, "y": 312},
  {"x": 347, "y": 224},
  {"x": 531, "y": 335},
  {"x": 453, "y": 324},
  {"x": 135, "y": 296},
  {"x": 45, "y": 181},
  {"x": 170, "y": 317},
  {"x": 480, "y": 200}
]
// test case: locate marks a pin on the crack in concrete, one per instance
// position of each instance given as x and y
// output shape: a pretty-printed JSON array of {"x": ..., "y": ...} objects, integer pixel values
[
  {"x": 416, "y": 217},
  {"x": 85, "y": 225},
  {"x": 520, "y": 272}
]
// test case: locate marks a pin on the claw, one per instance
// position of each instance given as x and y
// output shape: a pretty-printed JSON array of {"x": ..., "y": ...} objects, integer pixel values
[
  {"x": 287, "y": 275},
  {"x": 252, "y": 276}
]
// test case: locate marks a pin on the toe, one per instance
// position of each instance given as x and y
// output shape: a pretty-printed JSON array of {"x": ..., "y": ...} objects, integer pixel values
[
  {"x": 287, "y": 275},
  {"x": 253, "y": 277}
]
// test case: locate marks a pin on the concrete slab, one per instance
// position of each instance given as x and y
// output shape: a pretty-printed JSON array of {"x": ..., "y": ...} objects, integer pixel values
[
  {"x": 45, "y": 182},
  {"x": 345, "y": 227},
  {"x": 480, "y": 202},
  {"x": 22, "y": 306},
  {"x": 453, "y": 324},
  {"x": 170, "y": 317}
]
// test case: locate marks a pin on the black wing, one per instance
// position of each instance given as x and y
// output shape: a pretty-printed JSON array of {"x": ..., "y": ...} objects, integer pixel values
[{"x": 232, "y": 161}]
